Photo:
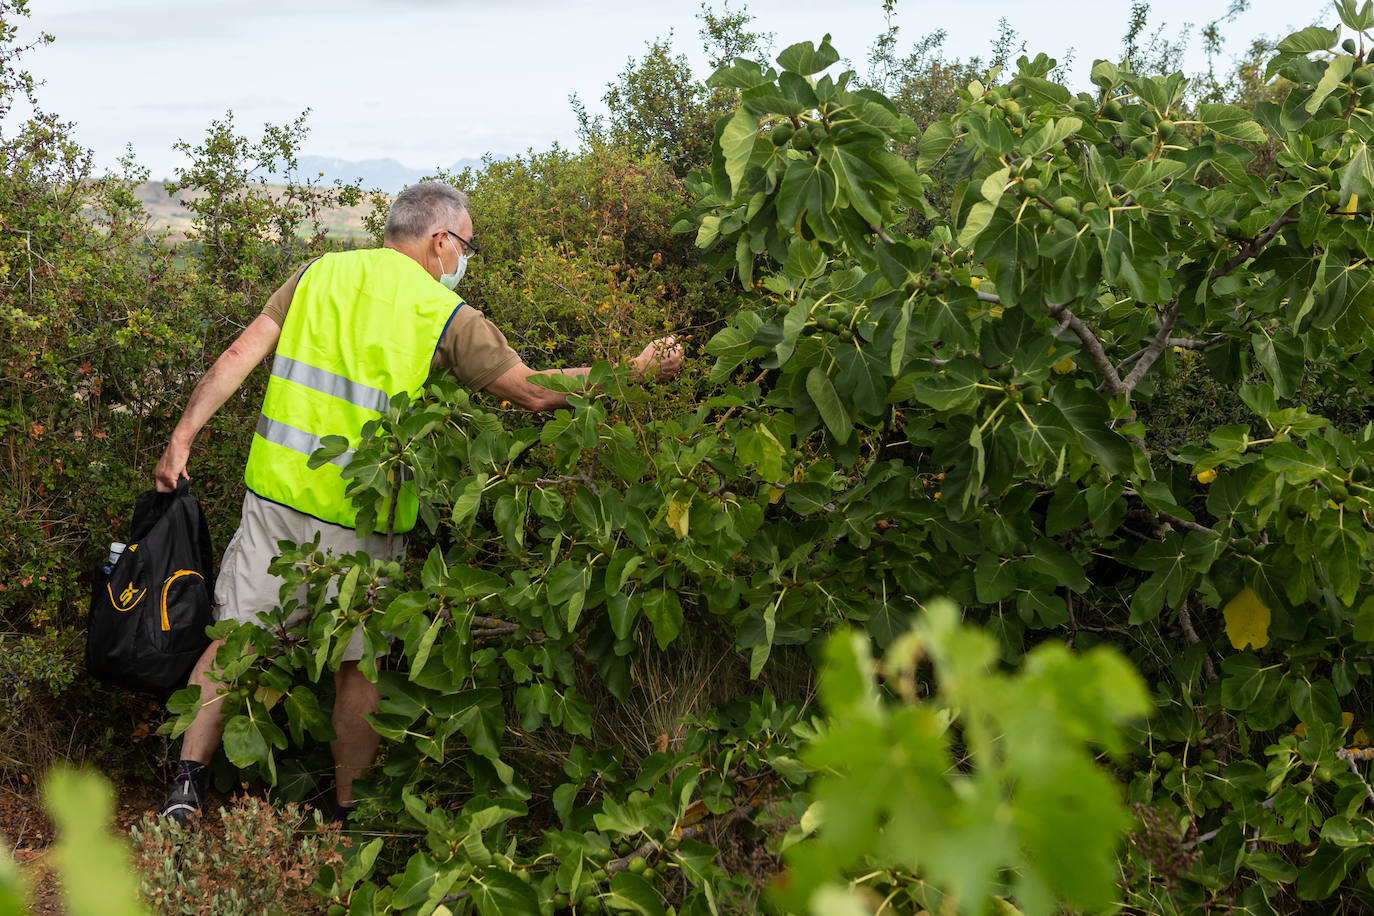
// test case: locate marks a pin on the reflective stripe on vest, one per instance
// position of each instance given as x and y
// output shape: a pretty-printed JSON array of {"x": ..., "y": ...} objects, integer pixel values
[
  {"x": 362, "y": 326},
  {"x": 327, "y": 382},
  {"x": 298, "y": 440}
]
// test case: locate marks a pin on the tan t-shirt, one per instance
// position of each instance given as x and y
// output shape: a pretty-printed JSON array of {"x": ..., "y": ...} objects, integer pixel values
[{"x": 472, "y": 347}]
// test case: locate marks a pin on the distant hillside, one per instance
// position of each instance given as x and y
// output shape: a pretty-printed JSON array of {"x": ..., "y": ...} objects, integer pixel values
[
  {"x": 385, "y": 174},
  {"x": 388, "y": 175},
  {"x": 168, "y": 214}
]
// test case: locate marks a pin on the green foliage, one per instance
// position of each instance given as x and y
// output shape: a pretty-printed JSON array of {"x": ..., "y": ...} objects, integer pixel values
[
  {"x": 248, "y": 233},
  {"x": 11, "y": 887},
  {"x": 594, "y": 671},
  {"x": 985, "y": 785},
  {"x": 578, "y": 263},
  {"x": 30, "y": 665},
  {"x": 96, "y": 877},
  {"x": 1091, "y": 243},
  {"x": 91, "y": 341},
  {"x": 975, "y": 413},
  {"x": 257, "y": 859},
  {"x": 103, "y": 329}
]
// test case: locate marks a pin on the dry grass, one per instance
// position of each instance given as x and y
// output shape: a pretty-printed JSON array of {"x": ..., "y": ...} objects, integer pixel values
[{"x": 671, "y": 691}]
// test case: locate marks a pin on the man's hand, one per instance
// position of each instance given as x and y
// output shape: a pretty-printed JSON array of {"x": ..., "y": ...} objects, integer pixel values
[
  {"x": 662, "y": 357},
  {"x": 171, "y": 467}
]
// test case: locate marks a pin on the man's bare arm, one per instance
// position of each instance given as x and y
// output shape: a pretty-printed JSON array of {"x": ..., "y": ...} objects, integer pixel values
[
  {"x": 663, "y": 357},
  {"x": 224, "y": 378}
]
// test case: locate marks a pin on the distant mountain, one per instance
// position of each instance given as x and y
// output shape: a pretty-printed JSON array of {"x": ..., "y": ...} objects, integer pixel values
[{"x": 386, "y": 174}]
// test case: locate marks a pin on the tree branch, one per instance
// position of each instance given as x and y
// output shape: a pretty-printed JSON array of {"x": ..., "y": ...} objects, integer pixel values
[
  {"x": 1190, "y": 526},
  {"x": 1185, "y": 343},
  {"x": 1091, "y": 343},
  {"x": 1153, "y": 350},
  {"x": 1253, "y": 246}
]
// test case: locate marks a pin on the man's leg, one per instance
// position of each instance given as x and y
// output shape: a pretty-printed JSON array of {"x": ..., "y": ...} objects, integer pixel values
[
  {"x": 356, "y": 744},
  {"x": 198, "y": 744},
  {"x": 201, "y": 740}
]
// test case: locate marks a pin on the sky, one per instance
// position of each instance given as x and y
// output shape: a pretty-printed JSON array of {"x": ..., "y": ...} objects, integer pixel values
[{"x": 429, "y": 82}]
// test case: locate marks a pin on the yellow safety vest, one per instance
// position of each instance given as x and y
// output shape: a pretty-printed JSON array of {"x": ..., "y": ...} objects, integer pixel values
[{"x": 362, "y": 327}]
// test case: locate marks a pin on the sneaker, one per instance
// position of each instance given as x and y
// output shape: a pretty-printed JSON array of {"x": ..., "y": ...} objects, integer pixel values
[{"x": 183, "y": 802}]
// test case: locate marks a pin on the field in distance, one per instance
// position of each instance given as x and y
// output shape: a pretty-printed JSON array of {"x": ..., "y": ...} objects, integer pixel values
[{"x": 167, "y": 214}]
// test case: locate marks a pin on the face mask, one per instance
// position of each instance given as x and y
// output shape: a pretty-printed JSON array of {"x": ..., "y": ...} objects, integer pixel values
[{"x": 450, "y": 281}]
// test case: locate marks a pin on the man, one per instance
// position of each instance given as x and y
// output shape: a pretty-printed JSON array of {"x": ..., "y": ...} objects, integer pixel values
[{"x": 349, "y": 329}]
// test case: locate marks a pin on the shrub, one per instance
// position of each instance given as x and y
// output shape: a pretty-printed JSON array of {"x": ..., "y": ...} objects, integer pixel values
[{"x": 257, "y": 860}]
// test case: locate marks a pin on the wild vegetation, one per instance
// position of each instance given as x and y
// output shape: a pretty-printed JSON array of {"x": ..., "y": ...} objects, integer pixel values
[{"x": 1007, "y": 551}]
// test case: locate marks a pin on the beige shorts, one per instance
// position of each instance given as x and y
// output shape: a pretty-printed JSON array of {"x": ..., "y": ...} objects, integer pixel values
[{"x": 245, "y": 588}]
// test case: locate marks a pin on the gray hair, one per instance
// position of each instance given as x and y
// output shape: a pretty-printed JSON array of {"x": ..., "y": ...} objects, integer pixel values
[{"x": 421, "y": 208}]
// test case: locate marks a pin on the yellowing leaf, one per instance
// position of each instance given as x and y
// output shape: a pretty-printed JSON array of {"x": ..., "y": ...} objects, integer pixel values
[
  {"x": 1064, "y": 366},
  {"x": 267, "y": 695},
  {"x": 1350, "y": 206},
  {"x": 1207, "y": 476},
  {"x": 679, "y": 508},
  {"x": 975, "y": 282},
  {"x": 1247, "y": 620},
  {"x": 1347, "y": 719}
]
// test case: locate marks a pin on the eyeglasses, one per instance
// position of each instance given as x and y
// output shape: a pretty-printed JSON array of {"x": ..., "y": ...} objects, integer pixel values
[{"x": 469, "y": 244}]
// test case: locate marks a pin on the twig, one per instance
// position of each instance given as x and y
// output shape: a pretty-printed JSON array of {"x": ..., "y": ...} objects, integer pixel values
[
  {"x": 882, "y": 234},
  {"x": 391, "y": 517},
  {"x": 1198, "y": 841},
  {"x": 1209, "y": 672},
  {"x": 581, "y": 477}
]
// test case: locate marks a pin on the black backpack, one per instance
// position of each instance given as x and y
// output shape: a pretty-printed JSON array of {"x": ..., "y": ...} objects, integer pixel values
[{"x": 150, "y": 611}]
